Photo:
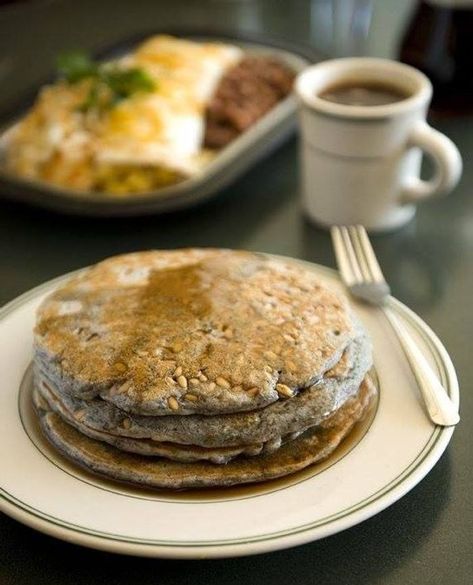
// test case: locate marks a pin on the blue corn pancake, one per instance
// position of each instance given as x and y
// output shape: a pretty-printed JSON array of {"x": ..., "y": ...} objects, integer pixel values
[{"x": 202, "y": 357}]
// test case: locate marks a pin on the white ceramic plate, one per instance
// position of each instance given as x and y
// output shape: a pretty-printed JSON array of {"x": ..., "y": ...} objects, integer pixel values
[{"x": 389, "y": 457}]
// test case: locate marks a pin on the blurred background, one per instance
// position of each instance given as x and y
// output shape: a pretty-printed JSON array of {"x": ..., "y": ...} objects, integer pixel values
[
  {"x": 332, "y": 27},
  {"x": 260, "y": 211},
  {"x": 428, "y": 262},
  {"x": 434, "y": 35}
]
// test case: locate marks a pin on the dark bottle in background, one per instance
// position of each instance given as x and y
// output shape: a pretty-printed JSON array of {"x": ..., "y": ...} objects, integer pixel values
[{"x": 439, "y": 42}]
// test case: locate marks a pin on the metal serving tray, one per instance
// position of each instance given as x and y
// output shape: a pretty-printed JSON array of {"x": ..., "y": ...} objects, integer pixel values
[{"x": 232, "y": 161}]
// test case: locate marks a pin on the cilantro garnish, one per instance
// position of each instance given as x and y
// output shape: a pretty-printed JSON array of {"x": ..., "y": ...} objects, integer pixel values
[{"x": 113, "y": 81}]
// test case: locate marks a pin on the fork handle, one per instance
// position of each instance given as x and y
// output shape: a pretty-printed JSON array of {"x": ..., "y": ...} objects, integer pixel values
[{"x": 439, "y": 406}]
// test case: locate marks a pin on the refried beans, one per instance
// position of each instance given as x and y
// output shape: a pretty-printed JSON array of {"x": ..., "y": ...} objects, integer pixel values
[{"x": 245, "y": 93}]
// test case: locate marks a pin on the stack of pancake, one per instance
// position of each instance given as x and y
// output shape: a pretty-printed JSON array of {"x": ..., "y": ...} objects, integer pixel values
[{"x": 192, "y": 368}]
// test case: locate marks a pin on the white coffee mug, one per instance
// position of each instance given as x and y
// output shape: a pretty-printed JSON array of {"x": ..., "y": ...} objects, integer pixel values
[{"x": 361, "y": 164}]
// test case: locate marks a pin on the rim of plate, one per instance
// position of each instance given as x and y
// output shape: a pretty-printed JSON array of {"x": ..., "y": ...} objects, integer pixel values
[{"x": 362, "y": 510}]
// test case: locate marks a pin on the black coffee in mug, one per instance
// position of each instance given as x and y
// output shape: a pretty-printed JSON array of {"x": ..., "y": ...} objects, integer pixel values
[{"x": 363, "y": 93}]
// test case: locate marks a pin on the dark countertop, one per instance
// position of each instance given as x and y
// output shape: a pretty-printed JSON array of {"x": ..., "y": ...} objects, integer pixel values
[{"x": 426, "y": 537}]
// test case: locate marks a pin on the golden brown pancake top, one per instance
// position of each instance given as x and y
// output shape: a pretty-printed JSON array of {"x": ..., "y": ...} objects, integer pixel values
[{"x": 188, "y": 331}]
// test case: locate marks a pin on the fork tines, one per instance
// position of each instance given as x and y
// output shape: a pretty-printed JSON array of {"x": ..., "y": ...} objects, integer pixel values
[{"x": 357, "y": 262}]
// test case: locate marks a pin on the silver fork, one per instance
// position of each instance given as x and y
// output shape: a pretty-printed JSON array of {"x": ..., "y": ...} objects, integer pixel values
[{"x": 362, "y": 276}]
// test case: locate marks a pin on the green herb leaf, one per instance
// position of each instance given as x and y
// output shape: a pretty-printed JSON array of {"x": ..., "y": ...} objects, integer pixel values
[
  {"x": 110, "y": 83},
  {"x": 125, "y": 82},
  {"x": 76, "y": 65}
]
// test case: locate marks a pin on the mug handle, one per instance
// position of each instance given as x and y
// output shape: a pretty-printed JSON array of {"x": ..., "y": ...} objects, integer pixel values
[{"x": 447, "y": 160}]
